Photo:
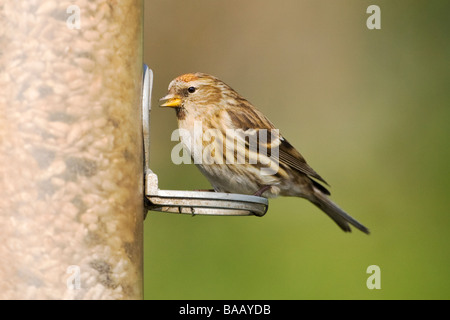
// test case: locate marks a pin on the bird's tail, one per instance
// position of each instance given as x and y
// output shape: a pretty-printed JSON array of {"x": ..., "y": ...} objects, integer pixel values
[{"x": 339, "y": 216}]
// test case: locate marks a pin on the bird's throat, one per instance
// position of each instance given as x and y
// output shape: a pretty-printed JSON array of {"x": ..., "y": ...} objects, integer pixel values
[{"x": 181, "y": 113}]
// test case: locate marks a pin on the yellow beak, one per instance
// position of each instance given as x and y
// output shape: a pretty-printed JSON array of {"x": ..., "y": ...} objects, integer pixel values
[{"x": 173, "y": 100}]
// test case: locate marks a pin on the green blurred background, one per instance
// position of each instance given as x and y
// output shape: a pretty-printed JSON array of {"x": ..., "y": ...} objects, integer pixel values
[{"x": 370, "y": 111}]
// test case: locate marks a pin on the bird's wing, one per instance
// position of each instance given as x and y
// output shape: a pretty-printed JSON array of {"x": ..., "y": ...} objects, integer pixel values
[
  {"x": 291, "y": 157},
  {"x": 248, "y": 117}
]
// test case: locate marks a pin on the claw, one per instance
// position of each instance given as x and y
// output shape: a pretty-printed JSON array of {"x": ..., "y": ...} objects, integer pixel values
[{"x": 261, "y": 191}]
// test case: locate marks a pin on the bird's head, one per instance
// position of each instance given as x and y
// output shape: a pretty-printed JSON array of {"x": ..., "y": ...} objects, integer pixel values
[{"x": 194, "y": 90}]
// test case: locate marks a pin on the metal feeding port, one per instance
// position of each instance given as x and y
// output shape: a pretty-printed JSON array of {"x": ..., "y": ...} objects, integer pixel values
[{"x": 189, "y": 202}]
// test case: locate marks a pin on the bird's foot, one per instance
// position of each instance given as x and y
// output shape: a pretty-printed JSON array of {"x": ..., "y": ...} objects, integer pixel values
[{"x": 261, "y": 191}]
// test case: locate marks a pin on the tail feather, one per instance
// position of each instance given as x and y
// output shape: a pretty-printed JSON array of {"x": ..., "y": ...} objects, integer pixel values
[{"x": 339, "y": 216}]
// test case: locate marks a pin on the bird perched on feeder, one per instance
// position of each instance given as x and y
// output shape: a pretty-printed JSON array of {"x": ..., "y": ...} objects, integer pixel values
[{"x": 214, "y": 117}]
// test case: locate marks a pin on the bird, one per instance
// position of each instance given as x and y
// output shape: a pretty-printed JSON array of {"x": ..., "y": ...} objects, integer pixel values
[{"x": 238, "y": 149}]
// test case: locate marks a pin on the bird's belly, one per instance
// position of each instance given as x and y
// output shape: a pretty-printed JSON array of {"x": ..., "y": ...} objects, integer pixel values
[
  {"x": 228, "y": 177},
  {"x": 243, "y": 179}
]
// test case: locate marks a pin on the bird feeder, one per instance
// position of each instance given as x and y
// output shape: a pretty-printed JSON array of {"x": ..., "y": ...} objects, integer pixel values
[
  {"x": 71, "y": 209},
  {"x": 189, "y": 202}
]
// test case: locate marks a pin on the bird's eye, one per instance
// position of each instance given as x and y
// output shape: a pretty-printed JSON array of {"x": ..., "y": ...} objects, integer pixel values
[{"x": 191, "y": 89}]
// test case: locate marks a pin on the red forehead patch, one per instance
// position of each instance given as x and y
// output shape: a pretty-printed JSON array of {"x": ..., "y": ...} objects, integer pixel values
[{"x": 187, "y": 77}]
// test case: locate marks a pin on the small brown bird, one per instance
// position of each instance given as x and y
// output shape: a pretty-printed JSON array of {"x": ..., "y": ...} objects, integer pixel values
[{"x": 239, "y": 150}]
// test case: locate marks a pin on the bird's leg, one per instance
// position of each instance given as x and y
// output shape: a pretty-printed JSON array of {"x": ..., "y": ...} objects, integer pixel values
[{"x": 261, "y": 191}]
